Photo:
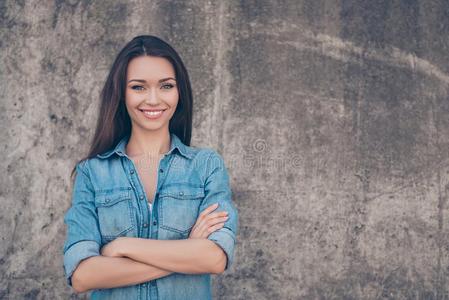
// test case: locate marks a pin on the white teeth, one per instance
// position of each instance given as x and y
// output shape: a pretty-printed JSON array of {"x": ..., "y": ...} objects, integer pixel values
[{"x": 153, "y": 113}]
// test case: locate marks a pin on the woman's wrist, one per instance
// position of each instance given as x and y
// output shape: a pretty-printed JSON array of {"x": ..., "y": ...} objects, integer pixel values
[{"x": 122, "y": 246}]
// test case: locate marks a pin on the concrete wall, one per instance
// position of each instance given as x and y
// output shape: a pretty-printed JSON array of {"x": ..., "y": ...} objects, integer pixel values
[{"x": 332, "y": 116}]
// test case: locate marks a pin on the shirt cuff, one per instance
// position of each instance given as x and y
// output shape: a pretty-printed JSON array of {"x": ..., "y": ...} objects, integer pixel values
[
  {"x": 76, "y": 253},
  {"x": 225, "y": 239}
]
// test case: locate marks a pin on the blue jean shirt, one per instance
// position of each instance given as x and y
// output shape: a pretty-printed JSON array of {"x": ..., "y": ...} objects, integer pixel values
[{"x": 108, "y": 201}]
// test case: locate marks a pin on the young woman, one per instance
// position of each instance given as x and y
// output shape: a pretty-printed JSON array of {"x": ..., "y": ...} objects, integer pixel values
[{"x": 151, "y": 216}]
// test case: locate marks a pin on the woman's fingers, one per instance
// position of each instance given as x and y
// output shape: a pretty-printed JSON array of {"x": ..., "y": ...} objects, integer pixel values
[
  {"x": 208, "y": 210},
  {"x": 215, "y": 227},
  {"x": 217, "y": 220},
  {"x": 208, "y": 221},
  {"x": 207, "y": 214},
  {"x": 204, "y": 213},
  {"x": 205, "y": 225}
]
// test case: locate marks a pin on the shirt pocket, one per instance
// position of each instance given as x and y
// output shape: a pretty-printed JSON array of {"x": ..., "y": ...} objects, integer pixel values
[
  {"x": 179, "y": 207},
  {"x": 114, "y": 210}
]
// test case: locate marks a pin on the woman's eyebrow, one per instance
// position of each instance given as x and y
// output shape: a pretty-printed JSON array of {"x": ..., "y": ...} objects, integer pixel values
[
  {"x": 143, "y": 81},
  {"x": 165, "y": 79}
]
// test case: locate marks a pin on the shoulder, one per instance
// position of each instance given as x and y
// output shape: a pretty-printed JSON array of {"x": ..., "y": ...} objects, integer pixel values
[
  {"x": 211, "y": 160},
  {"x": 89, "y": 165},
  {"x": 81, "y": 166},
  {"x": 206, "y": 154}
]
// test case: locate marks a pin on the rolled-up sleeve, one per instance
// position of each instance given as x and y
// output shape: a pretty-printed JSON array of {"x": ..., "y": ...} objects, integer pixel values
[
  {"x": 83, "y": 237},
  {"x": 218, "y": 190}
]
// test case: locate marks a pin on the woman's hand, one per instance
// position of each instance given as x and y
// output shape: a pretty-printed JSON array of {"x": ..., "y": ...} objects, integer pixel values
[
  {"x": 208, "y": 222},
  {"x": 113, "y": 248}
]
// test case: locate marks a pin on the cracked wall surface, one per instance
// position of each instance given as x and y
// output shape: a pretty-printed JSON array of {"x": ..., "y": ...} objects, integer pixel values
[{"x": 332, "y": 117}]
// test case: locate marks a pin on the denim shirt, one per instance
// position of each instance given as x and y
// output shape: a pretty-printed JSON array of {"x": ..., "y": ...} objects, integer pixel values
[{"x": 108, "y": 201}]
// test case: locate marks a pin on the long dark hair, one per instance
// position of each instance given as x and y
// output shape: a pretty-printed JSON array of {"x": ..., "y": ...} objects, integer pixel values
[{"x": 113, "y": 121}]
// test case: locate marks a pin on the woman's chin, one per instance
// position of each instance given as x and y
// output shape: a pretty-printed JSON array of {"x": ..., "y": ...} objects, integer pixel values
[{"x": 156, "y": 126}]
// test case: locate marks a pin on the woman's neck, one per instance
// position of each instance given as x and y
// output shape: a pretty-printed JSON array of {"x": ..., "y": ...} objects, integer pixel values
[{"x": 152, "y": 143}]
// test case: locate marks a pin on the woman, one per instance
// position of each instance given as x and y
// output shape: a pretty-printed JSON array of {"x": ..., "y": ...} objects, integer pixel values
[{"x": 151, "y": 217}]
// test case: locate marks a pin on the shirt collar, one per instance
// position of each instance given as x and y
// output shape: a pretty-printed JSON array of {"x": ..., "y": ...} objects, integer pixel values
[{"x": 176, "y": 143}]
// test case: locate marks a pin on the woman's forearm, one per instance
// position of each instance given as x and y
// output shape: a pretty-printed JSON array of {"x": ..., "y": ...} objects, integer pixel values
[
  {"x": 108, "y": 272},
  {"x": 189, "y": 256}
]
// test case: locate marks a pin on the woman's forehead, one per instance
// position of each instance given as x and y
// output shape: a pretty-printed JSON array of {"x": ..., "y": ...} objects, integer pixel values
[{"x": 150, "y": 68}]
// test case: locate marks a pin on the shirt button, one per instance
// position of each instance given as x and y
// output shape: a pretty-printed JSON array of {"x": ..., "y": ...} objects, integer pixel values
[
  {"x": 154, "y": 223},
  {"x": 181, "y": 193},
  {"x": 145, "y": 224},
  {"x": 161, "y": 170},
  {"x": 129, "y": 188},
  {"x": 141, "y": 197},
  {"x": 132, "y": 171}
]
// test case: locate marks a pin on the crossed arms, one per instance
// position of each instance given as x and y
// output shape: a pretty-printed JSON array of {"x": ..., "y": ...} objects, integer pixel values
[{"x": 128, "y": 260}]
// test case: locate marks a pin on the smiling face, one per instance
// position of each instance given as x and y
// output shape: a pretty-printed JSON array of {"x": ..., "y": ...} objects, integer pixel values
[{"x": 151, "y": 92}]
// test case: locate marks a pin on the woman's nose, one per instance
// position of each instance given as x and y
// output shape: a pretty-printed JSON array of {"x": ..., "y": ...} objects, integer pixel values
[{"x": 151, "y": 97}]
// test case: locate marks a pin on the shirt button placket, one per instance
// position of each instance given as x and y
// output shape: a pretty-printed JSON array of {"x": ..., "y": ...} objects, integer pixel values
[
  {"x": 141, "y": 197},
  {"x": 153, "y": 229}
]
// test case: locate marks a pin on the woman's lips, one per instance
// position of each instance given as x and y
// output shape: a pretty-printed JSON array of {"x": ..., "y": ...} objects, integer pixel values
[{"x": 153, "y": 114}]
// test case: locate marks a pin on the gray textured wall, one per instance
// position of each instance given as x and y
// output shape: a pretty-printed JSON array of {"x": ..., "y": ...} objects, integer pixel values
[{"x": 332, "y": 116}]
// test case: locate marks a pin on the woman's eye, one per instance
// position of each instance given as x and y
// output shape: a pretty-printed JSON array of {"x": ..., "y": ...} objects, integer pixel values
[
  {"x": 137, "y": 87},
  {"x": 167, "y": 86}
]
